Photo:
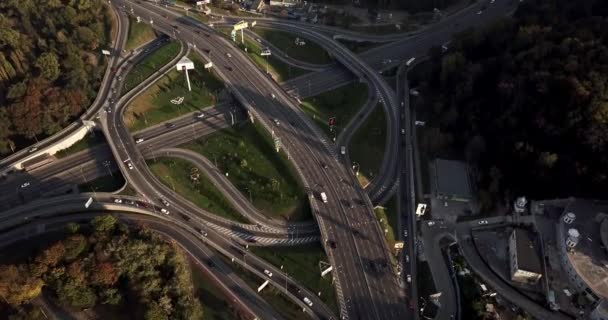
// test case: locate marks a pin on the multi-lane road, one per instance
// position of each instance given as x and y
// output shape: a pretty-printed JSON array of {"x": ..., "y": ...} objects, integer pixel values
[{"x": 366, "y": 285}]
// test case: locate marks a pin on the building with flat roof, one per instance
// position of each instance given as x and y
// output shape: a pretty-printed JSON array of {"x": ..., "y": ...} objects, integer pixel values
[
  {"x": 450, "y": 180},
  {"x": 525, "y": 263}
]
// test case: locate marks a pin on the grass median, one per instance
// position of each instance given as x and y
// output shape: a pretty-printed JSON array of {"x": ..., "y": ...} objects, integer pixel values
[
  {"x": 155, "y": 105},
  {"x": 246, "y": 154},
  {"x": 366, "y": 148},
  {"x": 150, "y": 64},
  {"x": 179, "y": 175},
  {"x": 387, "y": 216},
  {"x": 215, "y": 303},
  {"x": 139, "y": 34},
  {"x": 302, "y": 264},
  {"x": 279, "y": 70},
  {"x": 341, "y": 103},
  {"x": 308, "y": 52},
  {"x": 273, "y": 296}
]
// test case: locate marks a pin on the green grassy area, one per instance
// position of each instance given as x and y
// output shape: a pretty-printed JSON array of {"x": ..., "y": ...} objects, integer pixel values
[
  {"x": 91, "y": 139},
  {"x": 248, "y": 156},
  {"x": 154, "y": 105},
  {"x": 367, "y": 146},
  {"x": 341, "y": 103},
  {"x": 285, "y": 41},
  {"x": 279, "y": 70},
  {"x": 358, "y": 47},
  {"x": 387, "y": 216},
  {"x": 302, "y": 264},
  {"x": 139, "y": 34},
  {"x": 176, "y": 174},
  {"x": 109, "y": 183},
  {"x": 150, "y": 64},
  {"x": 273, "y": 296},
  {"x": 214, "y": 302}
]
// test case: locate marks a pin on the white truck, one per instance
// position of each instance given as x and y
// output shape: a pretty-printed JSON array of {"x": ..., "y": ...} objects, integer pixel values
[{"x": 324, "y": 197}]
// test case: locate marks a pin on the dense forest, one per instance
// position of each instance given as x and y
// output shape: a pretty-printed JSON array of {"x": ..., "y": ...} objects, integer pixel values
[
  {"x": 50, "y": 65},
  {"x": 111, "y": 269},
  {"x": 525, "y": 101}
]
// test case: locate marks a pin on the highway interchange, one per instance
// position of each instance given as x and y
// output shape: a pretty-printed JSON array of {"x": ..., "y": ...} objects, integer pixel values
[{"x": 366, "y": 284}]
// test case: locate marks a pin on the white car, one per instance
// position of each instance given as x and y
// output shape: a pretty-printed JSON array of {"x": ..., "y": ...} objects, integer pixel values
[
  {"x": 409, "y": 278},
  {"x": 25, "y": 184},
  {"x": 268, "y": 273},
  {"x": 405, "y": 233},
  {"x": 228, "y": 55},
  {"x": 117, "y": 200},
  {"x": 258, "y": 40},
  {"x": 165, "y": 202},
  {"x": 273, "y": 96},
  {"x": 200, "y": 115},
  {"x": 165, "y": 211},
  {"x": 482, "y": 222},
  {"x": 140, "y": 140},
  {"x": 276, "y": 121},
  {"x": 204, "y": 233},
  {"x": 307, "y": 301},
  {"x": 430, "y": 223},
  {"x": 130, "y": 165},
  {"x": 407, "y": 258},
  {"x": 33, "y": 149}
]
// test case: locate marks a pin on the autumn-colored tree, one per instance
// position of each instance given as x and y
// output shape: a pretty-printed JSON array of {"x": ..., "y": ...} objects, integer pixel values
[
  {"x": 104, "y": 274},
  {"x": 17, "y": 285},
  {"x": 52, "y": 255}
]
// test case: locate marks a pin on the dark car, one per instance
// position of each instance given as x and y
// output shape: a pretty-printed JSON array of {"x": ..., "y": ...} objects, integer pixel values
[
  {"x": 170, "y": 125},
  {"x": 332, "y": 244}
]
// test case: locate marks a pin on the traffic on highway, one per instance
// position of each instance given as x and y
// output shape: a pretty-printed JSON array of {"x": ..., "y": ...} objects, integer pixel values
[{"x": 370, "y": 281}]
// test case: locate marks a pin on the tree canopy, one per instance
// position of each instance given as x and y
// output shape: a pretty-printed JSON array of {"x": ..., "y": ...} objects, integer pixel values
[
  {"x": 526, "y": 100},
  {"x": 50, "y": 65},
  {"x": 131, "y": 269}
]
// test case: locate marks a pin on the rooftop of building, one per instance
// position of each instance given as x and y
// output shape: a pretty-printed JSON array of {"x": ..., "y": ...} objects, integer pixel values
[
  {"x": 451, "y": 178},
  {"x": 589, "y": 257},
  {"x": 528, "y": 258}
]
